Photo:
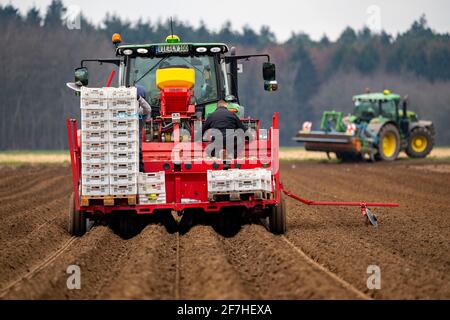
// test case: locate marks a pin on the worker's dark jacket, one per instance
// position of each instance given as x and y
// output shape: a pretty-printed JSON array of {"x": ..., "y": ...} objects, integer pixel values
[{"x": 223, "y": 119}]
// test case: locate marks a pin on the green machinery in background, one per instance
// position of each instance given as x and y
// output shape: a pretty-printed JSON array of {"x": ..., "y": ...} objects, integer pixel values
[{"x": 380, "y": 127}]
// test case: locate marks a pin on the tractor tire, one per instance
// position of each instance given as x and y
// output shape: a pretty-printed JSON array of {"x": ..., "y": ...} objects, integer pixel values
[
  {"x": 228, "y": 222},
  {"x": 128, "y": 225},
  {"x": 168, "y": 221},
  {"x": 420, "y": 143},
  {"x": 277, "y": 218},
  {"x": 388, "y": 143},
  {"x": 77, "y": 221}
]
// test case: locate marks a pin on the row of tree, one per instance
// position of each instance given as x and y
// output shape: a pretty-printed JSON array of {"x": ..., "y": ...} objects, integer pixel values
[{"x": 40, "y": 52}]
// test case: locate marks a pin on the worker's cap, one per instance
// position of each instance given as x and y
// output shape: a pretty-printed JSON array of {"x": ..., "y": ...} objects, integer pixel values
[{"x": 140, "y": 91}]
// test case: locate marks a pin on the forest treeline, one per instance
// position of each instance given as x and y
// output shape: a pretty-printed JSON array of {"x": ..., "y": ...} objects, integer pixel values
[{"x": 39, "y": 53}]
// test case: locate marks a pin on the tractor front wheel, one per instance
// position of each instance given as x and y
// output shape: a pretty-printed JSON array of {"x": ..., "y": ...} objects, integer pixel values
[
  {"x": 388, "y": 143},
  {"x": 420, "y": 143},
  {"x": 277, "y": 218},
  {"x": 77, "y": 221}
]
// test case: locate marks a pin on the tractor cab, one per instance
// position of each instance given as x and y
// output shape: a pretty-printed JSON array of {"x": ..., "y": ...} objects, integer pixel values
[
  {"x": 214, "y": 72},
  {"x": 373, "y": 105}
]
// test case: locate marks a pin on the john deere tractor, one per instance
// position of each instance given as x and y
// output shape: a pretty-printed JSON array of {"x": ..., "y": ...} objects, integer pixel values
[{"x": 379, "y": 128}]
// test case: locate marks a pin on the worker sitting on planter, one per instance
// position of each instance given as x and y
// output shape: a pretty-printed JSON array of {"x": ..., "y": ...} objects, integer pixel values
[{"x": 224, "y": 126}]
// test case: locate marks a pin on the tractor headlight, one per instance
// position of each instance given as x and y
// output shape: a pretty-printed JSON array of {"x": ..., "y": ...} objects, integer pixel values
[{"x": 142, "y": 50}]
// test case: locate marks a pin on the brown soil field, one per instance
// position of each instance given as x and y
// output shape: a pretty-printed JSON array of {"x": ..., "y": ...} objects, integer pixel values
[{"x": 324, "y": 255}]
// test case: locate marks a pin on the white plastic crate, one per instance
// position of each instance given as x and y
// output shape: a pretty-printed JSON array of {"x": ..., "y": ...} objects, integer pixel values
[
  {"x": 94, "y": 146},
  {"x": 94, "y": 136},
  {"x": 123, "y": 103},
  {"x": 223, "y": 181},
  {"x": 123, "y": 114},
  {"x": 252, "y": 185},
  {"x": 253, "y": 180},
  {"x": 123, "y": 167},
  {"x": 95, "y": 179},
  {"x": 151, "y": 177},
  {"x": 123, "y": 135},
  {"x": 149, "y": 188},
  {"x": 120, "y": 157},
  {"x": 122, "y": 93},
  {"x": 95, "y": 190},
  {"x": 120, "y": 146},
  {"x": 123, "y": 178},
  {"x": 220, "y": 180},
  {"x": 92, "y": 103},
  {"x": 221, "y": 186},
  {"x": 123, "y": 189},
  {"x": 94, "y": 157},
  {"x": 94, "y": 93},
  {"x": 124, "y": 124},
  {"x": 95, "y": 168},
  {"x": 94, "y": 125},
  {"x": 94, "y": 114},
  {"x": 152, "y": 199},
  {"x": 221, "y": 174}
]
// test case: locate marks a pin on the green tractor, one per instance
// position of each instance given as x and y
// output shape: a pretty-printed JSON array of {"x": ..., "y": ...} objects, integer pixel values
[{"x": 379, "y": 128}]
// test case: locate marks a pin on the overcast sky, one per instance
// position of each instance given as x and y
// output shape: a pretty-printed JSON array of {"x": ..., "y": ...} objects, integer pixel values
[{"x": 315, "y": 17}]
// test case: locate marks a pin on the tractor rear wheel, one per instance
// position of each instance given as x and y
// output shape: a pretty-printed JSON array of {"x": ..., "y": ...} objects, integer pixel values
[
  {"x": 229, "y": 221},
  {"x": 277, "y": 218},
  {"x": 388, "y": 143},
  {"x": 420, "y": 143},
  {"x": 77, "y": 220},
  {"x": 128, "y": 225}
]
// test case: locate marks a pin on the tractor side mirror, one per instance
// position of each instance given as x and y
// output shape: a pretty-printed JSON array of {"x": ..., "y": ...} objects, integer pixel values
[
  {"x": 81, "y": 76},
  {"x": 269, "y": 75}
]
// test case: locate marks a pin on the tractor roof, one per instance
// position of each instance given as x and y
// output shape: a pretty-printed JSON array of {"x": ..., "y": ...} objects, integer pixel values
[
  {"x": 161, "y": 49},
  {"x": 377, "y": 96}
]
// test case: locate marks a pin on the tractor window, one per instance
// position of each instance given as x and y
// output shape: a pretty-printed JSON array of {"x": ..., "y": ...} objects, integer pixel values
[
  {"x": 366, "y": 110},
  {"x": 205, "y": 88},
  {"x": 388, "y": 109}
]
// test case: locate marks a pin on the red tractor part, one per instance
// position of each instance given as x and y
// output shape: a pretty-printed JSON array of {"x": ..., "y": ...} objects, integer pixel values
[
  {"x": 110, "y": 78},
  {"x": 176, "y": 100},
  {"x": 363, "y": 205}
]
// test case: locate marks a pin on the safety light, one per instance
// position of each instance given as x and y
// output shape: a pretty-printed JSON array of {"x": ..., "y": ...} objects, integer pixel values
[
  {"x": 116, "y": 38},
  {"x": 173, "y": 39},
  {"x": 386, "y": 92}
]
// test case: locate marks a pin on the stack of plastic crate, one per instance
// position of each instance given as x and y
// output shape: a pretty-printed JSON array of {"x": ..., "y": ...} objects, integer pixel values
[
  {"x": 237, "y": 181},
  {"x": 123, "y": 137},
  {"x": 95, "y": 148},
  {"x": 253, "y": 180},
  {"x": 152, "y": 187}
]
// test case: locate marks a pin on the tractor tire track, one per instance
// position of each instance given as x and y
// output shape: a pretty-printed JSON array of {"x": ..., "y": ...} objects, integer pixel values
[
  {"x": 337, "y": 238},
  {"x": 273, "y": 270},
  {"x": 37, "y": 268}
]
